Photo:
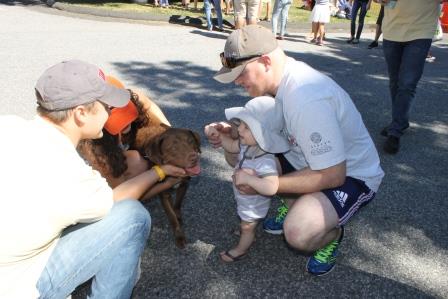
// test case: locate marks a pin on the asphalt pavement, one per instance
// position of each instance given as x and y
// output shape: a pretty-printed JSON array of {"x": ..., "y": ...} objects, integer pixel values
[{"x": 397, "y": 247}]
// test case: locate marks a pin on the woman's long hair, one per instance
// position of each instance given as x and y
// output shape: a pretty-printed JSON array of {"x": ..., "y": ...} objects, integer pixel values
[{"x": 105, "y": 153}]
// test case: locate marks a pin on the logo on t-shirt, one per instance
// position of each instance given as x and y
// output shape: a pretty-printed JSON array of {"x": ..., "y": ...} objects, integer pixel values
[
  {"x": 319, "y": 146},
  {"x": 316, "y": 137}
]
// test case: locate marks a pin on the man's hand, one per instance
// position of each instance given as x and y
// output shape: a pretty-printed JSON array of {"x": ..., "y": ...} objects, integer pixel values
[
  {"x": 242, "y": 176},
  {"x": 240, "y": 179},
  {"x": 213, "y": 133}
]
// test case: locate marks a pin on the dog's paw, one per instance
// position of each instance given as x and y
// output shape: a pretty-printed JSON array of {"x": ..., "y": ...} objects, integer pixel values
[
  {"x": 180, "y": 239},
  {"x": 180, "y": 242}
]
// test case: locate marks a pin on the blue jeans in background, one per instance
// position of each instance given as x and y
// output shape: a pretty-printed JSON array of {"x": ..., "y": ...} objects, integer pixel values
[
  {"x": 107, "y": 250},
  {"x": 281, "y": 9},
  {"x": 405, "y": 63},
  {"x": 208, "y": 13},
  {"x": 357, "y": 4}
]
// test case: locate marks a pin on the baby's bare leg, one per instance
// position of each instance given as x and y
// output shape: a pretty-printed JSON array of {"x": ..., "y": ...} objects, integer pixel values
[{"x": 246, "y": 239}]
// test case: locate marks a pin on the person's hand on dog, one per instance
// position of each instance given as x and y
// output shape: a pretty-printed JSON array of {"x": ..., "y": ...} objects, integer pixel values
[
  {"x": 171, "y": 170},
  {"x": 241, "y": 178}
]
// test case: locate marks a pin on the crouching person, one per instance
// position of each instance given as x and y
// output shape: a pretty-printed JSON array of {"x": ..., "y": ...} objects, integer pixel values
[{"x": 60, "y": 222}]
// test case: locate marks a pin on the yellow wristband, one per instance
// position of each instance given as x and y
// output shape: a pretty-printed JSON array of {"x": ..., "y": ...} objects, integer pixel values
[{"x": 159, "y": 172}]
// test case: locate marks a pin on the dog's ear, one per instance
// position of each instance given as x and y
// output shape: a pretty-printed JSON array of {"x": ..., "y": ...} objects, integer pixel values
[
  {"x": 152, "y": 151},
  {"x": 197, "y": 138}
]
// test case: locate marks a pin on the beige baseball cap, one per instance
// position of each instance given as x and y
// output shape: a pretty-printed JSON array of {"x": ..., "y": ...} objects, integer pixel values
[
  {"x": 242, "y": 46},
  {"x": 72, "y": 83},
  {"x": 264, "y": 117}
]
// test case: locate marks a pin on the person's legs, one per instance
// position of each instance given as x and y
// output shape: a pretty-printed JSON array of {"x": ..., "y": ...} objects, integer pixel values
[
  {"x": 217, "y": 4},
  {"x": 239, "y": 11},
  {"x": 405, "y": 83},
  {"x": 321, "y": 34},
  {"x": 275, "y": 15},
  {"x": 108, "y": 250},
  {"x": 362, "y": 16},
  {"x": 284, "y": 17},
  {"x": 268, "y": 11},
  {"x": 315, "y": 29},
  {"x": 252, "y": 12},
  {"x": 356, "y": 7},
  {"x": 315, "y": 222},
  {"x": 208, "y": 14}
]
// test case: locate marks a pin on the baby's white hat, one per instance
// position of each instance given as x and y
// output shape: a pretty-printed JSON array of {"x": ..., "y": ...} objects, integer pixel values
[{"x": 264, "y": 117}]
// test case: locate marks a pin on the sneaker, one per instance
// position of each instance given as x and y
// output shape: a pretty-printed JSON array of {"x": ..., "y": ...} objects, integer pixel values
[
  {"x": 324, "y": 259},
  {"x": 430, "y": 59},
  {"x": 355, "y": 41},
  {"x": 373, "y": 44},
  {"x": 392, "y": 144},
  {"x": 274, "y": 225}
]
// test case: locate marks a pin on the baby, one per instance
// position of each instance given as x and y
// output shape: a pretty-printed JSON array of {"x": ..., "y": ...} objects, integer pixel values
[{"x": 259, "y": 127}]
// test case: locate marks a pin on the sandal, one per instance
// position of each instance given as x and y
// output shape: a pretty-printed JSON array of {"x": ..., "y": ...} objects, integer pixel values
[{"x": 231, "y": 257}]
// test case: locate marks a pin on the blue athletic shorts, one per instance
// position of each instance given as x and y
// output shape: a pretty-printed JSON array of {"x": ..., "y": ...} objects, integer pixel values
[{"x": 346, "y": 199}]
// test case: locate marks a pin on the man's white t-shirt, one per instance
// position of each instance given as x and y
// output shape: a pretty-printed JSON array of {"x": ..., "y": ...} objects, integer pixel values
[
  {"x": 46, "y": 187},
  {"x": 323, "y": 126}
]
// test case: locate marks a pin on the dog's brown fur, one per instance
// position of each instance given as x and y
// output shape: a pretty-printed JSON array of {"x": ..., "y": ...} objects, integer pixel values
[
  {"x": 161, "y": 144},
  {"x": 179, "y": 147}
]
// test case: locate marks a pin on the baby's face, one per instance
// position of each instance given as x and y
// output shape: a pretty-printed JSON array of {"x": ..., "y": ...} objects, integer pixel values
[{"x": 245, "y": 133}]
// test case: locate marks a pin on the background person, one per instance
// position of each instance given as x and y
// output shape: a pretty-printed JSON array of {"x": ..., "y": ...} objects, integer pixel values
[
  {"x": 408, "y": 28},
  {"x": 362, "y": 6},
  {"x": 320, "y": 15},
  {"x": 281, "y": 9},
  {"x": 246, "y": 12}
]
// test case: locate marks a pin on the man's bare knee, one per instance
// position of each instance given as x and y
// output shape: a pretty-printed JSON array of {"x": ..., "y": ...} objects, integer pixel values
[{"x": 297, "y": 238}]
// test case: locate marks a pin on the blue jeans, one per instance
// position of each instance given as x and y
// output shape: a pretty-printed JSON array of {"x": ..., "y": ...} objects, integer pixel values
[
  {"x": 281, "y": 8},
  {"x": 357, "y": 4},
  {"x": 208, "y": 12},
  {"x": 107, "y": 250},
  {"x": 405, "y": 63}
]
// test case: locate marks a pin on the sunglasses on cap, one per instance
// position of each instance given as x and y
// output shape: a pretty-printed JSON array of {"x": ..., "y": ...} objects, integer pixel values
[{"x": 232, "y": 62}]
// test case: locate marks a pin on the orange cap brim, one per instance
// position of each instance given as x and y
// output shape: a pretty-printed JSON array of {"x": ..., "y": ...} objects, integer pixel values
[{"x": 120, "y": 118}]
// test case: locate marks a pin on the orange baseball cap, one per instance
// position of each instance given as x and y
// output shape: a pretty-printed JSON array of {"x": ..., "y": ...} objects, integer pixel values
[{"x": 120, "y": 118}]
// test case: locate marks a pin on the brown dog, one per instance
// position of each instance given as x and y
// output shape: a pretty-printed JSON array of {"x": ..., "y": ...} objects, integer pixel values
[
  {"x": 153, "y": 137},
  {"x": 179, "y": 147}
]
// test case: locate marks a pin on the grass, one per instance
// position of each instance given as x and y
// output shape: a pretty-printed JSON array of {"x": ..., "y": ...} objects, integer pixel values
[{"x": 296, "y": 14}]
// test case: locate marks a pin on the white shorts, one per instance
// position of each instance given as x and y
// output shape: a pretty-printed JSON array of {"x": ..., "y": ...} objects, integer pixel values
[
  {"x": 320, "y": 14},
  {"x": 251, "y": 208}
]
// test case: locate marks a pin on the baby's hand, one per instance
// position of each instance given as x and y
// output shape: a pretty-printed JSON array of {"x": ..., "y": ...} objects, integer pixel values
[{"x": 213, "y": 133}]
